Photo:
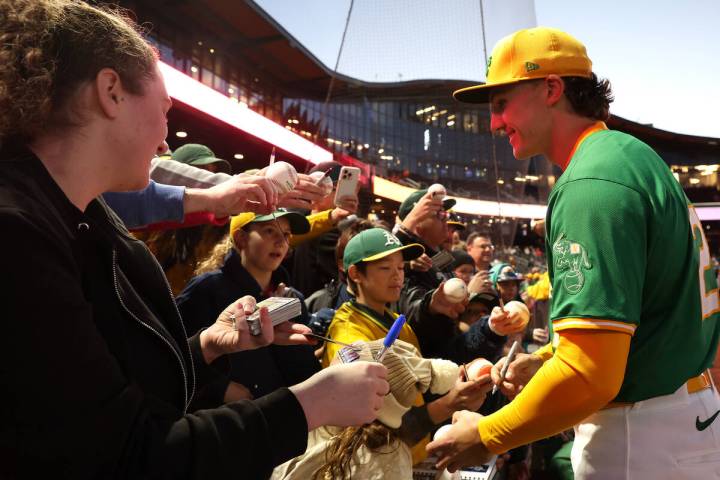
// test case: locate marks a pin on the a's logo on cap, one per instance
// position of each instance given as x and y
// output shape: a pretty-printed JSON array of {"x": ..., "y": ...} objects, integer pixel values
[
  {"x": 391, "y": 239},
  {"x": 530, "y": 66}
]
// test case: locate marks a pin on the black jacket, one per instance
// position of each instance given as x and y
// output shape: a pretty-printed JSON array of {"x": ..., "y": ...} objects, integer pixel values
[
  {"x": 312, "y": 264},
  {"x": 263, "y": 370},
  {"x": 438, "y": 334},
  {"x": 97, "y": 376}
]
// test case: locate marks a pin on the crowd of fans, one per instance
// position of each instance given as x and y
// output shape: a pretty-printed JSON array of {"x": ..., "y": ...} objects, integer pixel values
[{"x": 130, "y": 354}]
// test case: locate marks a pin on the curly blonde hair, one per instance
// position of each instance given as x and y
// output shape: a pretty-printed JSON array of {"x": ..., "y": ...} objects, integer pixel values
[
  {"x": 49, "y": 48},
  {"x": 341, "y": 451},
  {"x": 215, "y": 258}
]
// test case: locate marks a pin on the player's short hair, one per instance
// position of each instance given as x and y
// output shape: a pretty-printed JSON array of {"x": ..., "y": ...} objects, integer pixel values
[{"x": 590, "y": 97}]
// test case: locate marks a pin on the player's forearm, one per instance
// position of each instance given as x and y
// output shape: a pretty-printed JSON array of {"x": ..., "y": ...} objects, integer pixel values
[{"x": 583, "y": 376}]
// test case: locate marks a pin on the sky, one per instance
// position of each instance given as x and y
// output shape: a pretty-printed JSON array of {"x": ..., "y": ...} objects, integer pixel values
[{"x": 662, "y": 57}]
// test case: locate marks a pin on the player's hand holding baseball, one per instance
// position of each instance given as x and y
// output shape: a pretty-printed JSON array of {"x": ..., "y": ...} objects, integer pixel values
[
  {"x": 505, "y": 323},
  {"x": 519, "y": 373},
  {"x": 461, "y": 445},
  {"x": 441, "y": 304}
]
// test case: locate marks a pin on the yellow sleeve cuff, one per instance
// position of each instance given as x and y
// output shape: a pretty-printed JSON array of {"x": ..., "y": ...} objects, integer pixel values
[
  {"x": 583, "y": 375},
  {"x": 320, "y": 223}
]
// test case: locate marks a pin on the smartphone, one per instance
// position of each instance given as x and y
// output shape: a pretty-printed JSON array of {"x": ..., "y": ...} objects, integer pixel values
[
  {"x": 347, "y": 184},
  {"x": 442, "y": 259}
]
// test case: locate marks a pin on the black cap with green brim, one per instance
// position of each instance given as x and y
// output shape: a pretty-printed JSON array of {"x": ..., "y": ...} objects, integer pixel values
[
  {"x": 409, "y": 203},
  {"x": 298, "y": 223},
  {"x": 376, "y": 243}
]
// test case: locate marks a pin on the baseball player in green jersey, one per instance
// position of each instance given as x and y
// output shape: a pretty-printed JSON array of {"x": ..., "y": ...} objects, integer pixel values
[{"x": 635, "y": 304}]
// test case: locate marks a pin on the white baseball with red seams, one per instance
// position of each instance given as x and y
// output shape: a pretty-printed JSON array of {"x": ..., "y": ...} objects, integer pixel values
[
  {"x": 455, "y": 290},
  {"x": 282, "y": 176},
  {"x": 521, "y": 309},
  {"x": 437, "y": 191},
  {"x": 478, "y": 367}
]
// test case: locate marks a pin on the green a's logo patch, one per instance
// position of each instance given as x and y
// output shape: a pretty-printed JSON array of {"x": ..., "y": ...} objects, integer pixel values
[
  {"x": 571, "y": 258},
  {"x": 530, "y": 66},
  {"x": 487, "y": 69}
]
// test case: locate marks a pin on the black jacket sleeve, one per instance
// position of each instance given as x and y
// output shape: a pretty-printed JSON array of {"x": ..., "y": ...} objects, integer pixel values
[
  {"x": 479, "y": 341},
  {"x": 433, "y": 331},
  {"x": 438, "y": 335},
  {"x": 70, "y": 408}
]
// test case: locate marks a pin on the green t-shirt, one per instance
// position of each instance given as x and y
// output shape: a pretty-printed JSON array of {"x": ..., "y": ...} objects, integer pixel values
[{"x": 625, "y": 246}]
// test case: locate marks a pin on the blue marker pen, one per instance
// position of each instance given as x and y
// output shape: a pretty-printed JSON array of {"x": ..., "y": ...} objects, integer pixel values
[{"x": 391, "y": 336}]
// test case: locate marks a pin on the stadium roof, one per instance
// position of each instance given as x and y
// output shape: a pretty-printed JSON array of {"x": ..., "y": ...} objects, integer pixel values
[{"x": 251, "y": 33}]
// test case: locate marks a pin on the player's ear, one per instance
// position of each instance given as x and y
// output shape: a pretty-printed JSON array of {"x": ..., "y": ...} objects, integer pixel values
[{"x": 555, "y": 87}]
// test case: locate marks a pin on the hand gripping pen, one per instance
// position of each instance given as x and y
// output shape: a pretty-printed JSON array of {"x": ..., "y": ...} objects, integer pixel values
[{"x": 391, "y": 336}]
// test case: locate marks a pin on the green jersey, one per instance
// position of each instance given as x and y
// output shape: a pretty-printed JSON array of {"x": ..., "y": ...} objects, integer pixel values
[{"x": 626, "y": 252}]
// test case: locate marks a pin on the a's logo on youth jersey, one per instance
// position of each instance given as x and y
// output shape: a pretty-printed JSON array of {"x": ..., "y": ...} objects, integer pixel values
[{"x": 571, "y": 258}]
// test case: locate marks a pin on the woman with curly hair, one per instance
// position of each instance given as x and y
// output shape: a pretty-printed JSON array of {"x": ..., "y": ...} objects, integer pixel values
[{"x": 97, "y": 375}]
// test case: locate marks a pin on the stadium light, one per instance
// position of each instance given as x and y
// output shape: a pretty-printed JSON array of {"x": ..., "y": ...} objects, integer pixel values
[{"x": 215, "y": 104}]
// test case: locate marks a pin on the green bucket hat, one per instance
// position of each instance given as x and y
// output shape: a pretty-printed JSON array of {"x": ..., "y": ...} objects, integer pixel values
[
  {"x": 197, "y": 155},
  {"x": 376, "y": 243},
  {"x": 409, "y": 203},
  {"x": 298, "y": 223}
]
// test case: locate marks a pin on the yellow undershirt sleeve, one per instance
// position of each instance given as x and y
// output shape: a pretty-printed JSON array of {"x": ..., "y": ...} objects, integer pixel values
[
  {"x": 320, "y": 223},
  {"x": 583, "y": 375},
  {"x": 545, "y": 352}
]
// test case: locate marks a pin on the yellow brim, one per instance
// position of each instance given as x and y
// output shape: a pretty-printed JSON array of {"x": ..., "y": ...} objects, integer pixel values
[
  {"x": 408, "y": 254},
  {"x": 481, "y": 93}
]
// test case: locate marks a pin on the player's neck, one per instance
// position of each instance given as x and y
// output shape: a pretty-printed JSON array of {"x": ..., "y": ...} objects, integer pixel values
[{"x": 568, "y": 128}]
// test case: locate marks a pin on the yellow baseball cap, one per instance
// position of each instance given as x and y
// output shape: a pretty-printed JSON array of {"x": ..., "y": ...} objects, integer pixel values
[{"x": 529, "y": 54}]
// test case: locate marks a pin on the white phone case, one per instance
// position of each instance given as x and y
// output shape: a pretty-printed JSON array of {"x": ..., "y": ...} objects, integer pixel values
[{"x": 347, "y": 184}]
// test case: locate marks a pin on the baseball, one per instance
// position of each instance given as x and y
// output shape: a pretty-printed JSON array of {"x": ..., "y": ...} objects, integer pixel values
[
  {"x": 326, "y": 183},
  {"x": 521, "y": 309},
  {"x": 441, "y": 432},
  {"x": 437, "y": 191},
  {"x": 455, "y": 290},
  {"x": 478, "y": 368},
  {"x": 283, "y": 176}
]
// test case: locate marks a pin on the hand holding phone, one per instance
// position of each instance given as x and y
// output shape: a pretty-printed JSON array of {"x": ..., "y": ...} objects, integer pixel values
[{"x": 346, "y": 191}]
